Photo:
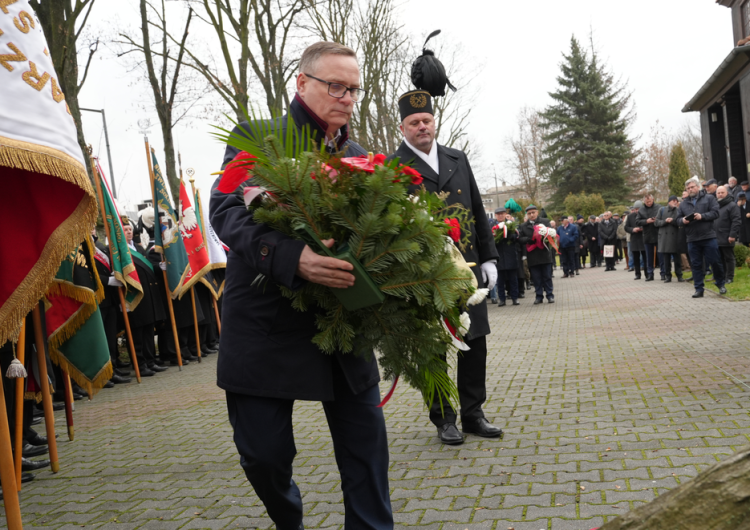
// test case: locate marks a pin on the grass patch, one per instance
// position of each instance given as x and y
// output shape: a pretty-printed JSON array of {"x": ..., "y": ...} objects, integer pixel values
[{"x": 737, "y": 290}]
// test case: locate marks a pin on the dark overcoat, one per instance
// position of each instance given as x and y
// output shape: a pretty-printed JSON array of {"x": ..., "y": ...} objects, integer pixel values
[
  {"x": 538, "y": 256},
  {"x": 151, "y": 308},
  {"x": 266, "y": 345},
  {"x": 636, "y": 238},
  {"x": 509, "y": 257},
  {"x": 745, "y": 227},
  {"x": 729, "y": 222},
  {"x": 669, "y": 233},
  {"x": 650, "y": 232},
  {"x": 458, "y": 180}
]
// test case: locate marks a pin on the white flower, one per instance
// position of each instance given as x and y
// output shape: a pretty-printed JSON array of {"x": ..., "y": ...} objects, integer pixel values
[
  {"x": 465, "y": 323},
  {"x": 542, "y": 230},
  {"x": 551, "y": 232},
  {"x": 478, "y": 296}
]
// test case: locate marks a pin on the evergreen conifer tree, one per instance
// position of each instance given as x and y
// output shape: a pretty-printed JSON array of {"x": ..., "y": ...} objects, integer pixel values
[
  {"x": 586, "y": 130},
  {"x": 679, "y": 172}
]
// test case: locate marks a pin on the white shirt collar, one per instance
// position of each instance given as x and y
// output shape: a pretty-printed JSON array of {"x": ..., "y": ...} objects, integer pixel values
[
  {"x": 333, "y": 143},
  {"x": 431, "y": 159}
]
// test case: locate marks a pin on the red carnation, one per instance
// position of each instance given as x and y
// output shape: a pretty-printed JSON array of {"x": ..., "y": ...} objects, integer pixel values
[
  {"x": 455, "y": 229},
  {"x": 416, "y": 178},
  {"x": 236, "y": 172}
]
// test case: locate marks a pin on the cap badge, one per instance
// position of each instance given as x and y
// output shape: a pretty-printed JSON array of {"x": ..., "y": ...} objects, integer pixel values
[{"x": 418, "y": 101}]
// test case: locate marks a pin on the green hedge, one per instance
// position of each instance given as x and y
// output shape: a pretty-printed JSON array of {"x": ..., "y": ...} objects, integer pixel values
[{"x": 741, "y": 253}]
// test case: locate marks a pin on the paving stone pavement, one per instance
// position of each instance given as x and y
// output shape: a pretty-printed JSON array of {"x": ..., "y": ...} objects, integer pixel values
[{"x": 612, "y": 396}]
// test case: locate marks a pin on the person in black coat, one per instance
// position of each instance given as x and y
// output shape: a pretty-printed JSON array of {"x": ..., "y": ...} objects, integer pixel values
[
  {"x": 646, "y": 219},
  {"x": 636, "y": 248},
  {"x": 448, "y": 170},
  {"x": 538, "y": 257},
  {"x": 508, "y": 261},
  {"x": 727, "y": 227},
  {"x": 608, "y": 236},
  {"x": 268, "y": 359},
  {"x": 590, "y": 231},
  {"x": 669, "y": 239},
  {"x": 744, "y": 209}
]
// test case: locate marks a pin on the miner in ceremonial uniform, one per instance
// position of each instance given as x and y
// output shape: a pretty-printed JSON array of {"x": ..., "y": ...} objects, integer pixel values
[
  {"x": 538, "y": 258},
  {"x": 448, "y": 170},
  {"x": 268, "y": 359}
]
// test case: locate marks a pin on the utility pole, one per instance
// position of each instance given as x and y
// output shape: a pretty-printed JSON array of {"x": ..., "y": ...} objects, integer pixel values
[
  {"x": 497, "y": 190},
  {"x": 109, "y": 154}
]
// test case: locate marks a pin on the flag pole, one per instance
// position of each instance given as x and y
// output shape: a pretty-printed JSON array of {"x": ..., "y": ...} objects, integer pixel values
[
  {"x": 199, "y": 208},
  {"x": 192, "y": 289},
  {"x": 7, "y": 471},
  {"x": 123, "y": 305},
  {"x": 20, "y": 387},
  {"x": 157, "y": 226},
  {"x": 49, "y": 415},
  {"x": 68, "y": 405}
]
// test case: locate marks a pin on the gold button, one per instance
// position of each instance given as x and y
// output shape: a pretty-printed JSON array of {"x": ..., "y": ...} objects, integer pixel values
[
  {"x": 459, "y": 192},
  {"x": 264, "y": 251},
  {"x": 471, "y": 247}
]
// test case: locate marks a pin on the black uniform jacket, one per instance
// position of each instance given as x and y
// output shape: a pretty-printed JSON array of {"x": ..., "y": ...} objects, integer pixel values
[
  {"x": 508, "y": 252},
  {"x": 151, "y": 308},
  {"x": 538, "y": 256},
  {"x": 182, "y": 308},
  {"x": 266, "y": 345},
  {"x": 457, "y": 179}
]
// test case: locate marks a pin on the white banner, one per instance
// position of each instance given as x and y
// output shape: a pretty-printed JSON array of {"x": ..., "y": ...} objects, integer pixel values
[
  {"x": 216, "y": 252},
  {"x": 609, "y": 251}
]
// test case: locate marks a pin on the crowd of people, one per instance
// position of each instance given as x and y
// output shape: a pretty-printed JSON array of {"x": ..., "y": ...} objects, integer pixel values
[{"x": 696, "y": 233}]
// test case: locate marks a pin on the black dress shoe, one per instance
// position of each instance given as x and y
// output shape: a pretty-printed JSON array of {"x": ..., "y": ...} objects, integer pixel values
[
  {"x": 501, "y": 304},
  {"x": 723, "y": 290},
  {"x": 174, "y": 362},
  {"x": 207, "y": 352},
  {"x": 37, "y": 420},
  {"x": 481, "y": 427},
  {"x": 78, "y": 397},
  {"x": 538, "y": 301},
  {"x": 26, "y": 477},
  {"x": 649, "y": 278},
  {"x": 637, "y": 277},
  {"x": 58, "y": 406},
  {"x": 33, "y": 465},
  {"x": 698, "y": 294},
  {"x": 521, "y": 295},
  {"x": 119, "y": 380},
  {"x": 516, "y": 302},
  {"x": 156, "y": 368},
  {"x": 450, "y": 435},
  {"x": 728, "y": 282},
  {"x": 680, "y": 279},
  {"x": 578, "y": 273},
  {"x": 189, "y": 357},
  {"x": 146, "y": 371},
  {"x": 30, "y": 451},
  {"x": 550, "y": 299},
  {"x": 35, "y": 438},
  {"x": 122, "y": 364},
  {"x": 109, "y": 384}
]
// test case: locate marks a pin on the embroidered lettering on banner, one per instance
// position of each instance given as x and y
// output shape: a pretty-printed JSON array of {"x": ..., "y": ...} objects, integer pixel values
[
  {"x": 57, "y": 94},
  {"x": 24, "y": 22},
  {"x": 4, "y": 5},
  {"x": 7, "y": 58},
  {"x": 1, "y": 33},
  {"x": 33, "y": 79}
]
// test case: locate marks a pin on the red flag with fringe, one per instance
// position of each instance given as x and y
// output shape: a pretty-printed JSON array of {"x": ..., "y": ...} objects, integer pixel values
[{"x": 192, "y": 238}]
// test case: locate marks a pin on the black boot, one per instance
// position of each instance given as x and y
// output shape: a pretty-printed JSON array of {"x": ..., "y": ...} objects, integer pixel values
[{"x": 668, "y": 278}]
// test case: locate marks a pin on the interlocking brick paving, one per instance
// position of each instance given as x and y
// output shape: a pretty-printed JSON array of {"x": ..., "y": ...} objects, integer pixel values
[{"x": 613, "y": 395}]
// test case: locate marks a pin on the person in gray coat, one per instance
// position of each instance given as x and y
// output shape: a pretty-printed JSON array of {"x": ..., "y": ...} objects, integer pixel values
[
  {"x": 646, "y": 217},
  {"x": 669, "y": 239},
  {"x": 636, "y": 247},
  {"x": 727, "y": 228}
]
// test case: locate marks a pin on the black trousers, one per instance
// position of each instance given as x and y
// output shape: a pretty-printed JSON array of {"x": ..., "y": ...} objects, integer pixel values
[
  {"x": 541, "y": 277},
  {"x": 471, "y": 383},
  {"x": 167, "y": 351},
  {"x": 264, "y": 438},
  {"x": 618, "y": 249},
  {"x": 507, "y": 279},
  {"x": 143, "y": 341},
  {"x": 728, "y": 261},
  {"x": 667, "y": 264},
  {"x": 638, "y": 255},
  {"x": 109, "y": 319},
  {"x": 596, "y": 255},
  {"x": 568, "y": 260}
]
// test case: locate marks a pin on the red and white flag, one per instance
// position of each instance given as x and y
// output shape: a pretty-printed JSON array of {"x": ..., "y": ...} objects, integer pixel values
[{"x": 192, "y": 238}]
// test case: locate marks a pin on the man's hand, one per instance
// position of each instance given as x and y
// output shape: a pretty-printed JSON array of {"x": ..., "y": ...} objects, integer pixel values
[
  {"x": 697, "y": 217},
  {"x": 489, "y": 274},
  {"x": 731, "y": 240},
  {"x": 685, "y": 221},
  {"x": 747, "y": 215},
  {"x": 637, "y": 229},
  {"x": 330, "y": 272},
  {"x": 163, "y": 265},
  {"x": 593, "y": 238},
  {"x": 114, "y": 282},
  {"x": 650, "y": 220},
  {"x": 668, "y": 220}
]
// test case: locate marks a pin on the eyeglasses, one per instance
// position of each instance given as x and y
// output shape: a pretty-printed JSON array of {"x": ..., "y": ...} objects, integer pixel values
[{"x": 337, "y": 90}]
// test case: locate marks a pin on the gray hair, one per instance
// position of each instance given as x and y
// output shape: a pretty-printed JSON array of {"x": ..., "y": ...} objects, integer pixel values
[{"x": 312, "y": 54}]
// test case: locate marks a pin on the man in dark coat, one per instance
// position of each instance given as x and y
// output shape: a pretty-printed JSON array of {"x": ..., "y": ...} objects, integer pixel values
[
  {"x": 537, "y": 256},
  {"x": 669, "y": 239},
  {"x": 591, "y": 232},
  {"x": 636, "y": 248},
  {"x": 268, "y": 359},
  {"x": 727, "y": 228},
  {"x": 646, "y": 218},
  {"x": 583, "y": 247},
  {"x": 448, "y": 170},
  {"x": 697, "y": 213},
  {"x": 744, "y": 209},
  {"x": 608, "y": 236},
  {"x": 569, "y": 243},
  {"x": 508, "y": 260}
]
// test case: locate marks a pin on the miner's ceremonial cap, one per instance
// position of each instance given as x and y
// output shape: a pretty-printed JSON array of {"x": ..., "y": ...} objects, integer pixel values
[{"x": 415, "y": 102}]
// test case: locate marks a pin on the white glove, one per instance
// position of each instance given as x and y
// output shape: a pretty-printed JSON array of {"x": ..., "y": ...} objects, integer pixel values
[
  {"x": 163, "y": 265},
  {"x": 114, "y": 282},
  {"x": 489, "y": 274}
]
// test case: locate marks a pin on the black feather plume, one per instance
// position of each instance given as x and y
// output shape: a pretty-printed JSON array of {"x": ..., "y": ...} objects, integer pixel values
[{"x": 428, "y": 73}]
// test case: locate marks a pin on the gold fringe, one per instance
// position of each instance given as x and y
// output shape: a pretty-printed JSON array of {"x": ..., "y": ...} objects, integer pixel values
[
  {"x": 195, "y": 279},
  {"x": 91, "y": 387},
  {"x": 125, "y": 279},
  {"x": 69, "y": 234},
  {"x": 92, "y": 267},
  {"x": 36, "y": 396},
  {"x": 70, "y": 327}
]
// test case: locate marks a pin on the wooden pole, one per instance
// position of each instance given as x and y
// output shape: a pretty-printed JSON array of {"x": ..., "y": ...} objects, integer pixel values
[
  {"x": 123, "y": 305},
  {"x": 218, "y": 318},
  {"x": 195, "y": 322},
  {"x": 20, "y": 387},
  {"x": 49, "y": 414},
  {"x": 157, "y": 226},
  {"x": 68, "y": 405},
  {"x": 7, "y": 470}
]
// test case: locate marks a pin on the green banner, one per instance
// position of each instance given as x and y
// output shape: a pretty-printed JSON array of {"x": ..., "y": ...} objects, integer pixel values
[{"x": 167, "y": 237}]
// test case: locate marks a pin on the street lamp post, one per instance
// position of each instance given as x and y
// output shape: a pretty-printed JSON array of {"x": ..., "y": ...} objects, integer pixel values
[
  {"x": 109, "y": 155},
  {"x": 497, "y": 190}
]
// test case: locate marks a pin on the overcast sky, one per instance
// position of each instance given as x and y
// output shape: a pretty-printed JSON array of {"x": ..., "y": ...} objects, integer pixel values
[{"x": 664, "y": 49}]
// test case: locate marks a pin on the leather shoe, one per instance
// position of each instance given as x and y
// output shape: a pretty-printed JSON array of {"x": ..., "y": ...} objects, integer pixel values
[
  {"x": 29, "y": 450},
  {"x": 450, "y": 435},
  {"x": 33, "y": 465},
  {"x": 156, "y": 368},
  {"x": 550, "y": 299},
  {"x": 174, "y": 362},
  {"x": 637, "y": 277},
  {"x": 501, "y": 304},
  {"x": 58, "y": 406},
  {"x": 516, "y": 302},
  {"x": 35, "y": 438},
  {"x": 189, "y": 357},
  {"x": 205, "y": 350},
  {"x": 37, "y": 420},
  {"x": 723, "y": 290},
  {"x": 119, "y": 379},
  {"x": 698, "y": 294},
  {"x": 649, "y": 278},
  {"x": 729, "y": 281},
  {"x": 521, "y": 294},
  {"x": 481, "y": 427},
  {"x": 538, "y": 301},
  {"x": 680, "y": 279},
  {"x": 109, "y": 384},
  {"x": 146, "y": 371},
  {"x": 26, "y": 477}
]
